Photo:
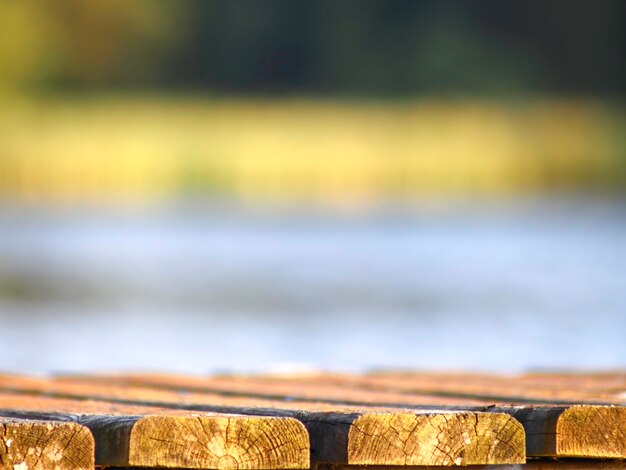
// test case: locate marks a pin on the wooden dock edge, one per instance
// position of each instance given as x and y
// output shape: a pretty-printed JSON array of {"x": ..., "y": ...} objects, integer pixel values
[
  {"x": 530, "y": 465},
  {"x": 580, "y": 431},
  {"x": 32, "y": 444},
  {"x": 222, "y": 443},
  {"x": 462, "y": 438},
  {"x": 416, "y": 439}
]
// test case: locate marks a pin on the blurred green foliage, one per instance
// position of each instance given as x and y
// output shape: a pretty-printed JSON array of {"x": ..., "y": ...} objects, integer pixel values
[
  {"x": 371, "y": 47},
  {"x": 79, "y": 44},
  {"x": 497, "y": 98}
]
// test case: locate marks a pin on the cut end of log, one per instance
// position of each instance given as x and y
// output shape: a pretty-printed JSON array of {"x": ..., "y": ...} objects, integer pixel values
[
  {"x": 29, "y": 445},
  {"x": 436, "y": 439},
  {"x": 592, "y": 432},
  {"x": 219, "y": 442}
]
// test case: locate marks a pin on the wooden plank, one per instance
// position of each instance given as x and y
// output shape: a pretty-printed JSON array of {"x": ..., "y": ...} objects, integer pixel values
[
  {"x": 30, "y": 444},
  {"x": 530, "y": 465},
  {"x": 214, "y": 442},
  {"x": 538, "y": 464},
  {"x": 479, "y": 387},
  {"x": 613, "y": 423},
  {"x": 612, "y": 382},
  {"x": 444, "y": 439},
  {"x": 579, "y": 431},
  {"x": 605, "y": 387},
  {"x": 359, "y": 436},
  {"x": 41, "y": 403},
  {"x": 429, "y": 436},
  {"x": 217, "y": 389},
  {"x": 573, "y": 465},
  {"x": 149, "y": 436},
  {"x": 382, "y": 389},
  {"x": 169, "y": 396}
]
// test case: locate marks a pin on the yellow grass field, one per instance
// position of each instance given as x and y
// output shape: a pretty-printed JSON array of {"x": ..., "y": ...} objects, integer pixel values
[{"x": 147, "y": 148}]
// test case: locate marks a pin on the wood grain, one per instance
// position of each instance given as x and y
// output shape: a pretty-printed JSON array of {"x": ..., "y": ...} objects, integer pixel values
[
  {"x": 128, "y": 435},
  {"x": 436, "y": 439},
  {"x": 530, "y": 465},
  {"x": 613, "y": 382},
  {"x": 465, "y": 435},
  {"x": 501, "y": 389},
  {"x": 578, "y": 387},
  {"x": 277, "y": 390},
  {"x": 385, "y": 419},
  {"x": 31, "y": 444},
  {"x": 389, "y": 389},
  {"x": 213, "y": 442},
  {"x": 579, "y": 431},
  {"x": 159, "y": 396},
  {"x": 590, "y": 442},
  {"x": 415, "y": 438}
]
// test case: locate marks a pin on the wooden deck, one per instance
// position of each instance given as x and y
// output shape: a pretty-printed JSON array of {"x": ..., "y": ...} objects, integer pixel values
[{"x": 325, "y": 421}]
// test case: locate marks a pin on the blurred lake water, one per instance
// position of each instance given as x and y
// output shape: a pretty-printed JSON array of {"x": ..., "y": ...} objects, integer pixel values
[{"x": 200, "y": 289}]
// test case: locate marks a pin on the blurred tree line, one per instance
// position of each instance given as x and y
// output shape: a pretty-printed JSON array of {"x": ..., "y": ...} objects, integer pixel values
[{"x": 349, "y": 47}]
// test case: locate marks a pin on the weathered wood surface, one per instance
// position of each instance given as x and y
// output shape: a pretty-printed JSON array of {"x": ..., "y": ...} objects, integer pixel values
[
  {"x": 180, "y": 394},
  {"x": 31, "y": 444},
  {"x": 530, "y": 465},
  {"x": 127, "y": 435},
  {"x": 359, "y": 436},
  {"x": 214, "y": 442},
  {"x": 385, "y": 419},
  {"x": 423, "y": 439},
  {"x": 263, "y": 392},
  {"x": 577, "y": 431},
  {"x": 452, "y": 387},
  {"x": 383, "y": 388},
  {"x": 533, "y": 464},
  {"x": 40, "y": 403},
  {"x": 316, "y": 388},
  {"x": 600, "y": 381},
  {"x": 565, "y": 389},
  {"x": 589, "y": 443}
]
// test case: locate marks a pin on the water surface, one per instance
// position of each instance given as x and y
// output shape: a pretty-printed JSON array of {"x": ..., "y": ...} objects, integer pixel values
[{"x": 201, "y": 289}]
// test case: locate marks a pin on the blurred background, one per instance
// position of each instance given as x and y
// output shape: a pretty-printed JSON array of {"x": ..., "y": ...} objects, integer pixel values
[{"x": 200, "y": 186}]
